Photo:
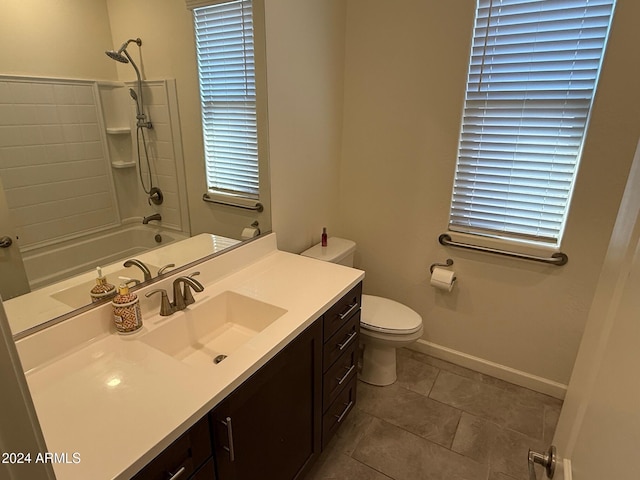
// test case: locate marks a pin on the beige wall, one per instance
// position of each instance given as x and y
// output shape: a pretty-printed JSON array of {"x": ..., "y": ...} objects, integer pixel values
[
  {"x": 305, "y": 58},
  {"x": 405, "y": 73},
  {"x": 64, "y": 38}
]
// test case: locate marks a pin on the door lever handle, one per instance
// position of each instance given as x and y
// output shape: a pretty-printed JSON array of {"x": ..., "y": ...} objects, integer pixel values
[{"x": 546, "y": 459}]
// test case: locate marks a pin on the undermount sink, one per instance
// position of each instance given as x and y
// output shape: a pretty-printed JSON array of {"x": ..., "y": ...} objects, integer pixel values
[{"x": 211, "y": 329}]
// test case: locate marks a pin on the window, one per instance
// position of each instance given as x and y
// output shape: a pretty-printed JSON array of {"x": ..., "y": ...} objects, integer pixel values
[
  {"x": 532, "y": 77},
  {"x": 226, "y": 68}
]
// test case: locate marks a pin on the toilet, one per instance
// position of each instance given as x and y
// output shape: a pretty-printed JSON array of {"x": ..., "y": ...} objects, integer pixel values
[{"x": 385, "y": 325}]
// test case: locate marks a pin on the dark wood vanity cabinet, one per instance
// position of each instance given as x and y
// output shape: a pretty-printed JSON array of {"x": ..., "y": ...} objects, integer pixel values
[
  {"x": 340, "y": 361},
  {"x": 189, "y": 457},
  {"x": 275, "y": 424},
  {"x": 269, "y": 427}
]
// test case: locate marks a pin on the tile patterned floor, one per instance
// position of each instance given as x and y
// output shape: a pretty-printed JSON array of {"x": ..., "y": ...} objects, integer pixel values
[{"x": 439, "y": 421}]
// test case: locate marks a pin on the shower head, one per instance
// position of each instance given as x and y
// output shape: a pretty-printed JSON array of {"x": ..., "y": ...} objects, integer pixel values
[
  {"x": 123, "y": 56},
  {"x": 118, "y": 56}
]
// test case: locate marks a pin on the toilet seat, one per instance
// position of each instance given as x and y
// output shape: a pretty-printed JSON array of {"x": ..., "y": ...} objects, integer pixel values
[{"x": 388, "y": 316}]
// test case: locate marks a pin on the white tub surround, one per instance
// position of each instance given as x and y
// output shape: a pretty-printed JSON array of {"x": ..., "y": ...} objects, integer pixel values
[
  {"x": 118, "y": 402},
  {"x": 59, "y": 261}
]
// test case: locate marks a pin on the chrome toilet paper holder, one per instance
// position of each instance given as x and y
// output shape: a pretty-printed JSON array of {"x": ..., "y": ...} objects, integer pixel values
[{"x": 448, "y": 264}]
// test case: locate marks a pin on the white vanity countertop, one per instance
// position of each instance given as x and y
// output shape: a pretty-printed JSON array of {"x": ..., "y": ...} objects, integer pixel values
[{"x": 118, "y": 402}]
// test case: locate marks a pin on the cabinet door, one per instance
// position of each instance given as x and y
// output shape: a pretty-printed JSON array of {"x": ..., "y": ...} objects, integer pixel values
[
  {"x": 270, "y": 426},
  {"x": 183, "y": 457}
]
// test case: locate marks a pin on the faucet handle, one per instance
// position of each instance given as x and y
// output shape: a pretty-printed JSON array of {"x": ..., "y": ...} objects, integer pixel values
[
  {"x": 187, "y": 294},
  {"x": 166, "y": 308},
  {"x": 164, "y": 268}
]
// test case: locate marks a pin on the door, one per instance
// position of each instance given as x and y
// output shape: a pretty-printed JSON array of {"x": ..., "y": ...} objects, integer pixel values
[
  {"x": 269, "y": 427},
  {"x": 599, "y": 427},
  {"x": 13, "y": 278}
]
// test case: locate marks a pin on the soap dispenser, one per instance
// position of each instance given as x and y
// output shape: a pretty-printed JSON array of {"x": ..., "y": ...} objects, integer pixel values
[
  {"x": 102, "y": 289},
  {"x": 127, "y": 315}
]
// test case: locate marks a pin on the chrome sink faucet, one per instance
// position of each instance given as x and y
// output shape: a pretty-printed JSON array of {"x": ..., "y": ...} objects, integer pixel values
[
  {"x": 179, "y": 302},
  {"x": 135, "y": 262}
]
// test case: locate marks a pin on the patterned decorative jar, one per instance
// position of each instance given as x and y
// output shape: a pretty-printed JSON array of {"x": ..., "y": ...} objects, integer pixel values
[
  {"x": 126, "y": 311},
  {"x": 102, "y": 289}
]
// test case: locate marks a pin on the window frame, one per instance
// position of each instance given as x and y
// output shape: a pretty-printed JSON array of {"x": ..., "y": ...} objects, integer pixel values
[
  {"x": 470, "y": 230},
  {"x": 239, "y": 198}
]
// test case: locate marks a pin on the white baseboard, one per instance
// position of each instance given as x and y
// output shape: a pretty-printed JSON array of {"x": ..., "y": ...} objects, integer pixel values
[{"x": 533, "y": 382}]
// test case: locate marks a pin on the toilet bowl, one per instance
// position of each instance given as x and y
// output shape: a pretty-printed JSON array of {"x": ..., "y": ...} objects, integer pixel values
[{"x": 385, "y": 324}]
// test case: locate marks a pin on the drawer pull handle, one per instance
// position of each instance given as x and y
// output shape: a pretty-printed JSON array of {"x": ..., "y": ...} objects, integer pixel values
[
  {"x": 230, "y": 449},
  {"x": 344, "y": 412},
  {"x": 341, "y": 380},
  {"x": 178, "y": 474},
  {"x": 353, "y": 307},
  {"x": 343, "y": 345}
]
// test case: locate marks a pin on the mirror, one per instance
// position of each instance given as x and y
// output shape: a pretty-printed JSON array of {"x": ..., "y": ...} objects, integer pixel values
[{"x": 72, "y": 180}]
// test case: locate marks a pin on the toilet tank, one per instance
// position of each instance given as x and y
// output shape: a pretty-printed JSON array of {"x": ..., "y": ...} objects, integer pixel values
[{"x": 338, "y": 250}]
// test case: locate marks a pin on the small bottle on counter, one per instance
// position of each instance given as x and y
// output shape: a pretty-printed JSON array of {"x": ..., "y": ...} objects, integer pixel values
[
  {"x": 324, "y": 236},
  {"x": 127, "y": 315},
  {"x": 102, "y": 289}
]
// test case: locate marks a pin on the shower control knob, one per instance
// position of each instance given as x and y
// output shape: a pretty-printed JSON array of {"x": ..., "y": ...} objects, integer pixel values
[
  {"x": 155, "y": 196},
  {"x": 5, "y": 242}
]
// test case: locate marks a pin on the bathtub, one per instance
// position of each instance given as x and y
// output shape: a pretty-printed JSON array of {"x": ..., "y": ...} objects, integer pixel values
[{"x": 51, "y": 264}]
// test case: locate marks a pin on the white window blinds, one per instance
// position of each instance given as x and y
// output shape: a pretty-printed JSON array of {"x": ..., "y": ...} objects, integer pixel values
[
  {"x": 224, "y": 40},
  {"x": 532, "y": 76}
]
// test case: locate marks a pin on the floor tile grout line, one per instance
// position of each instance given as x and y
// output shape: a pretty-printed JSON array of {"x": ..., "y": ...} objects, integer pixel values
[
  {"x": 434, "y": 381},
  {"x": 372, "y": 468},
  {"x": 438, "y": 375},
  {"x": 534, "y": 437},
  {"x": 424, "y": 439}
]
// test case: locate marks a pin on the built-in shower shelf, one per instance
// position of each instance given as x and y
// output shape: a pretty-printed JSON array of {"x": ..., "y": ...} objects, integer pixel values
[
  {"x": 123, "y": 164},
  {"x": 118, "y": 130}
]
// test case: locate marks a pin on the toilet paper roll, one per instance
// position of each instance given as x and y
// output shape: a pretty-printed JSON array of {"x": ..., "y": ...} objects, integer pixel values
[
  {"x": 443, "y": 279},
  {"x": 249, "y": 232}
]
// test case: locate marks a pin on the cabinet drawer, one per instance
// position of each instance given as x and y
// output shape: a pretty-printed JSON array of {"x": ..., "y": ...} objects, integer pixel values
[
  {"x": 339, "y": 375},
  {"x": 206, "y": 472},
  {"x": 344, "y": 338},
  {"x": 341, "y": 311},
  {"x": 338, "y": 411},
  {"x": 188, "y": 452}
]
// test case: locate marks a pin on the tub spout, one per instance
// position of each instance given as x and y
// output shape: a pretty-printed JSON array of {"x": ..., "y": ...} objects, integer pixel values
[{"x": 155, "y": 216}]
